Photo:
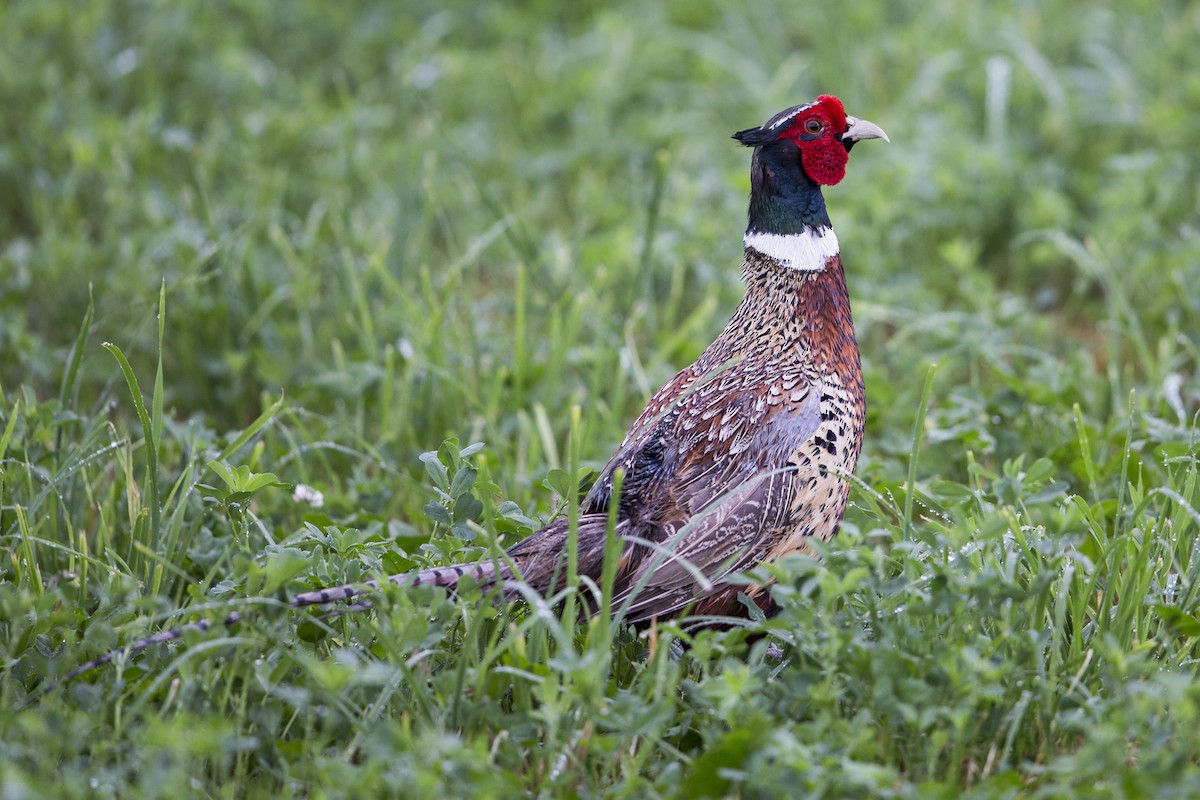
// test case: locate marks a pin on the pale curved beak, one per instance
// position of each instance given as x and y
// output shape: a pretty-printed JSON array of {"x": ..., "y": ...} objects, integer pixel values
[{"x": 859, "y": 129}]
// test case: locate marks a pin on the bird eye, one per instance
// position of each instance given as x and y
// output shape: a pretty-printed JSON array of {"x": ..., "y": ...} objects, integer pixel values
[{"x": 814, "y": 126}]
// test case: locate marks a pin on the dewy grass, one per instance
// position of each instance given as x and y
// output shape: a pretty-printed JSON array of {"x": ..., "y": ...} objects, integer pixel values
[{"x": 325, "y": 240}]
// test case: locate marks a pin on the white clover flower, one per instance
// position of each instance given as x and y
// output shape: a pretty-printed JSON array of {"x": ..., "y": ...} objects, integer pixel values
[{"x": 307, "y": 494}]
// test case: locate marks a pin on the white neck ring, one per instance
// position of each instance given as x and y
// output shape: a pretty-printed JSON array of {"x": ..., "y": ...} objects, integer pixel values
[{"x": 807, "y": 251}]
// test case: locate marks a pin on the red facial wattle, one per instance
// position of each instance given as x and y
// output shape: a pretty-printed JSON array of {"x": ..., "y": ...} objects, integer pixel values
[{"x": 824, "y": 157}]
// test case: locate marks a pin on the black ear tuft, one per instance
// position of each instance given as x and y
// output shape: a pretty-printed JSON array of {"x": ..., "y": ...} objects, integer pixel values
[
  {"x": 775, "y": 126},
  {"x": 755, "y": 137}
]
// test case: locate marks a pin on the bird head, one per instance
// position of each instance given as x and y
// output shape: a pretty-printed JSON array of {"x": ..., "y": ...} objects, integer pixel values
[{"x": 820, "y": 131}]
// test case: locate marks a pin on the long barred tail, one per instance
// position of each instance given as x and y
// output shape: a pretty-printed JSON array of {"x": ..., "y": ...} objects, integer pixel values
[
  {"x": 448, "y": 577},
  {"x": 141, "y": 644}
]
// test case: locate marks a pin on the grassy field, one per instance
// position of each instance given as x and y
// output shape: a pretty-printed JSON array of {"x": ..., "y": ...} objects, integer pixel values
[{"x": 250, "y": 246}]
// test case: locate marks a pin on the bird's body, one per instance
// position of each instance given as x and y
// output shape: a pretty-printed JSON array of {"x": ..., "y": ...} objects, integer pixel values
[{"x": 745, "y": 455}]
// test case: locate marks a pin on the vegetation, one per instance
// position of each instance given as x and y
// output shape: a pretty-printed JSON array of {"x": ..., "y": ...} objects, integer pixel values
[{"x": 246, "y": 247}]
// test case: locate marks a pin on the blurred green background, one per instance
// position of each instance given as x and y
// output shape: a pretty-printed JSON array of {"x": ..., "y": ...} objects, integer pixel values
[
  {"x": 317, "y": 185},
  {"x": 418, "y": 220}
]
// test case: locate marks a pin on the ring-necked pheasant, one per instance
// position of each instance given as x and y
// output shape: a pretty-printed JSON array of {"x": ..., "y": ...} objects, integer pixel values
[{"x": 745, "y": 454}]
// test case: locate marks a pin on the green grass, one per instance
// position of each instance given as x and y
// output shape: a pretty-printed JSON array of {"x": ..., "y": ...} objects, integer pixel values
[{"x": 401, "y": 228}]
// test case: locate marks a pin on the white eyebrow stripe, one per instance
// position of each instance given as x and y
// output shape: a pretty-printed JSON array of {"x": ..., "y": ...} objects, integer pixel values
[
  {"x": 807, "y": 251},
  {"x": 775, "y": 123}
]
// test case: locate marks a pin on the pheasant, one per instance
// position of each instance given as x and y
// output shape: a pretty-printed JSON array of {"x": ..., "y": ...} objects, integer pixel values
[{"x": 744, "y": 455}]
